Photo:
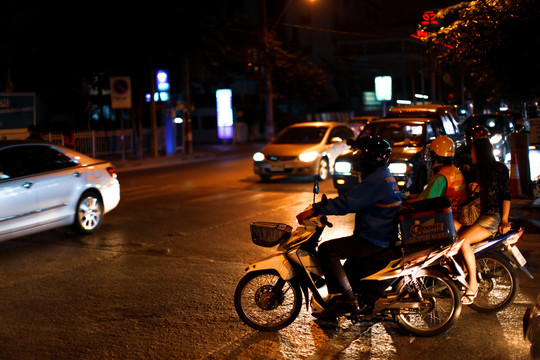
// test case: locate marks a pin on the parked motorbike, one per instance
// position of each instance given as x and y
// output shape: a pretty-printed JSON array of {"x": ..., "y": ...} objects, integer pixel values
[{"x": 400, "y": 285}]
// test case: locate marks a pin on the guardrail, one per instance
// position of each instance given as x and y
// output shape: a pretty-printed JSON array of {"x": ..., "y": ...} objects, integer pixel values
[{"x": 97, "y": 143}]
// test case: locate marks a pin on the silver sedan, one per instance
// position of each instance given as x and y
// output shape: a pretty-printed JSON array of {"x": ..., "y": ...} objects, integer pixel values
[
  {"x": 44, "y": 186},
  {"x": 303, "y": 149}
]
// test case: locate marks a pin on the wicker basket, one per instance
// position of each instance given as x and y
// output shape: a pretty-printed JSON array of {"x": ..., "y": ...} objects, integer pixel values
[{"x": 269, "y": 234}]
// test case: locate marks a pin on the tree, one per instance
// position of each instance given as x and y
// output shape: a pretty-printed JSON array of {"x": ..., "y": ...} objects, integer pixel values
[
  {"x": 495, "y": 42},
  {"x": 296, "y": 78}
]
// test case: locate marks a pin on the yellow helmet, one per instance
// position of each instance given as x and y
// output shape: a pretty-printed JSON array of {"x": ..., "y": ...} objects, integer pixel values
[{"x": 443, "y": 146}]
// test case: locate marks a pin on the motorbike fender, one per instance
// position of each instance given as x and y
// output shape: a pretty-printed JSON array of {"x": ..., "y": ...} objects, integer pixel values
[{"x": 278, "y": 262}]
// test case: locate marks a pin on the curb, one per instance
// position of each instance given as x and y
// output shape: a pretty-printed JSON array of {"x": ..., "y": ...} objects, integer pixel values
[{"x": 163, "y": 161}]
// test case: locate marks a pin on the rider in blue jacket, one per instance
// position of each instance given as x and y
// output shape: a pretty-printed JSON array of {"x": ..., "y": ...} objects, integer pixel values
[{"x": 376, "y": 202}]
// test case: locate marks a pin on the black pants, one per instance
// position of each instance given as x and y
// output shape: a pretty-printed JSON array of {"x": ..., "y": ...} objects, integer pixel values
[{"x": 331, "y": 252}]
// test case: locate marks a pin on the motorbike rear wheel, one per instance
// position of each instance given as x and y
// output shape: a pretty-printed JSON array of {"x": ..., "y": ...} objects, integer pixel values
[
  {"x": 266, "y": 302},
  {"x": 439, "y": 310},
  {"x": 498, "y": 283}
]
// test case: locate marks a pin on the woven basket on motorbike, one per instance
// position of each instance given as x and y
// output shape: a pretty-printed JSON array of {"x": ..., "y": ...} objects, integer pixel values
[{"x": 269, "y": 234}]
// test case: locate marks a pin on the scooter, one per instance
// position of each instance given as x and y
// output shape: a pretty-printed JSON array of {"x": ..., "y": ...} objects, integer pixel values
[{"x": 407, "y": 288}]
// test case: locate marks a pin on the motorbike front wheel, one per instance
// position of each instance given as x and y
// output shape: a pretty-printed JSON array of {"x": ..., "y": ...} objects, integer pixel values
[
  {"x": 497, "y": 284},
  {"x": 437, "y": 310},
  {"x": 266, "y": 302}
]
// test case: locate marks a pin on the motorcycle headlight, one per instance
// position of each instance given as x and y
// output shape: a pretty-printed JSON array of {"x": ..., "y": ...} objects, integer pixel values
[
  {"x": 398, "y": 168},
  {"x": 258, "y": 156},
  {"x": 495, "y": 139},
  {"x": 343, "y": 167},
  {"x": 309, "y": 156}
]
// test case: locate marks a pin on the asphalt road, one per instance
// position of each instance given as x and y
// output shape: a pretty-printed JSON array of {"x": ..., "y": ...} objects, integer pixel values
[{"x": 157, "y": 281}]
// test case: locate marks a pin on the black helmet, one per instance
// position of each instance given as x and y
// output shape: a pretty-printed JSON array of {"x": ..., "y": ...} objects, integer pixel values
[{"x": 374, "y": 152}]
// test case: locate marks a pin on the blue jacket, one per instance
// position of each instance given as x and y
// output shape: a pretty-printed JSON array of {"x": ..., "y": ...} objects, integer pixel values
[{"x": 376, "y": 201}]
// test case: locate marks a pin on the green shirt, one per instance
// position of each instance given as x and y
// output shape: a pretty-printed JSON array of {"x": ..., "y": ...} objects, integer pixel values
[{"x": 436, "y": 187}]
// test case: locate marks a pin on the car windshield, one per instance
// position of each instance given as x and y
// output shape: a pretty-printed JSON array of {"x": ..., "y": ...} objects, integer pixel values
[
  {"x": 301, "y": 135},
  {"x": 397, "y": 134}
]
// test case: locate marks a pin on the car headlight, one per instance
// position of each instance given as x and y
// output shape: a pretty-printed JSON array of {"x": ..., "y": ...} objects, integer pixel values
[
  {"x": 398, "y": 168},
  {"x": 309, "y": 156},
  {"x": 343, "y": 167},
  {"x": 258, "y": 156},
  {"x": 495, "y": 139}
]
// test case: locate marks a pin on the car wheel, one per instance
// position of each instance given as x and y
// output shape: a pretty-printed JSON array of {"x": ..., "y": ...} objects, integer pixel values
[
  {"x": 88, "y": 213},
  {"x": 324, "y": 169}
]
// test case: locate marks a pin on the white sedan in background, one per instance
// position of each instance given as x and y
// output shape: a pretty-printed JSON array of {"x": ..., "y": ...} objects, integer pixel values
[
  {"x": 309, "y": 148},
  {"x": 44, "y": 186}
]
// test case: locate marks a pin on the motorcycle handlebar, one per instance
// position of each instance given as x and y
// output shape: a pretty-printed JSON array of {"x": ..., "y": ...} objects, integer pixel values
[{"x": 324, "y": 221}]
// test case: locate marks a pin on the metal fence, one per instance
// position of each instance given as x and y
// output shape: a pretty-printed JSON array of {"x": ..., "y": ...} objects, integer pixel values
[{"x": 97, "y": 143}]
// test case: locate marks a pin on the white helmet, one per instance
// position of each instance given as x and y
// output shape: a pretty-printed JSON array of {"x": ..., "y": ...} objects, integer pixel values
[{"x": 443, "y": 146}]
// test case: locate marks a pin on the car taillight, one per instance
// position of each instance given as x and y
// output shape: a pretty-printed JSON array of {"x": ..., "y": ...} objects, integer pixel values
[
  {"x": 512, "y": 239},
  {"x": 111, "y": 172}
]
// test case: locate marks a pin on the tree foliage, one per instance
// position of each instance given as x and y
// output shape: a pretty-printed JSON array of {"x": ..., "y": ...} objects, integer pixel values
[
  {"x": 495, "y": 42},
  {"x": 295, "y": 78}
]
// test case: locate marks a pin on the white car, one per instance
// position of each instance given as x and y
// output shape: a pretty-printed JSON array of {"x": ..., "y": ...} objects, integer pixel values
[
  {"x": 309, "y": 148},
  {"x": 44, "y": 186}
]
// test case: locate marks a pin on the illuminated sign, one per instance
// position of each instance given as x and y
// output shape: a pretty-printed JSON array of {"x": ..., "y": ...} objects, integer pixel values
[
  {"x": 162, "y": 80},
  {"x": 429, "y": 18},
  {"x": 224, "y": 113},
  {"x": 383, "y": 88}
]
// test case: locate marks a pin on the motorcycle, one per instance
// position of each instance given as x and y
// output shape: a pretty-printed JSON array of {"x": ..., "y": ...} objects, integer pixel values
[
  {"x": 497, "y": 261},
  {"x": 397, "y": 285}
]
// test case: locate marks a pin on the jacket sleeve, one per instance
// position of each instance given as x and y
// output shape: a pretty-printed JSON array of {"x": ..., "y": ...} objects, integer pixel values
[
  {"x": 435, "y": 188},
  {"x": 360, "y": 197}
]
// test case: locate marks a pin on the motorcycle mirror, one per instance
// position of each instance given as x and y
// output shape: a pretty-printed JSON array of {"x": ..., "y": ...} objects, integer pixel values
[{"x": 315, "y": 189}]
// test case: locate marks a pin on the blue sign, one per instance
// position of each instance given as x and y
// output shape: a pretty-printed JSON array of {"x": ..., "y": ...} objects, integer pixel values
[{"x": 17, "y": 110}]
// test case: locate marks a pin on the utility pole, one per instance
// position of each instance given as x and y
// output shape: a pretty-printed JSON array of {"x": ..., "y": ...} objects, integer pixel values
[
  {"x": 187, "y": 112},
  {"x": 269, "y": 125},
  {"x": 153, "y": 120}
]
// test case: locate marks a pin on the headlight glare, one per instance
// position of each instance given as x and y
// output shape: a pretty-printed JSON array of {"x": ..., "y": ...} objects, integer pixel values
[
  {"x": 309, "y": 156},
  {"x": 397, "y": 168},
  {"x": 495, "y": 139},
  {"x": 258, "y": 156},
  {"x": 343, "y": 167}
]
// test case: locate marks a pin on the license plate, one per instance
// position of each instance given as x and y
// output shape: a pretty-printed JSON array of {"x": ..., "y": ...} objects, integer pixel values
[
  {"x": 277, "y": 167},
  {"x": 517, "y": 254}
]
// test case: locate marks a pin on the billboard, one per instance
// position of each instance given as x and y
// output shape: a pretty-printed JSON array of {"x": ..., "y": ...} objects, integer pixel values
[{"x": 17, "y": 110}]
